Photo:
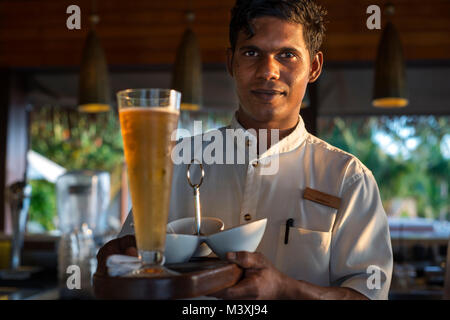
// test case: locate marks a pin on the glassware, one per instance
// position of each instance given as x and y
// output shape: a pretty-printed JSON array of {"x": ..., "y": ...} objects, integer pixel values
[
  {"x": 77, "y": 249},
  {"x": 83, "y": 198},
  {"x": 148, "y": 117},
  {"x": 82, "y": 202}
]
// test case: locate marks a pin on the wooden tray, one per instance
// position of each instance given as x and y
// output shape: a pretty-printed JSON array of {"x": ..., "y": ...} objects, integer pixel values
[{"x": 196, "y": 278}]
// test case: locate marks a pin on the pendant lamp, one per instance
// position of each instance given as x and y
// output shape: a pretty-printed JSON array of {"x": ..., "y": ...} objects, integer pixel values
[
  {"x": 390, "y": 84},
  {"x": 94, "y": 91},
  {"x": 187, "y": 72}
]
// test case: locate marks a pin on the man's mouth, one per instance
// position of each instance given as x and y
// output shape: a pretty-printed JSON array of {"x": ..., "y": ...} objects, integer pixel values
[{"x": 268, "y": 94}]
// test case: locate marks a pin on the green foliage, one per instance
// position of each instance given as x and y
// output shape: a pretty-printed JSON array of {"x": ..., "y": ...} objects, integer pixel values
[
  {"x": 421, "y": 172},
  {"x": 88, "y": 143},
  {"x": 43, "y": 203},
  {"x": 74, "y": 141}
]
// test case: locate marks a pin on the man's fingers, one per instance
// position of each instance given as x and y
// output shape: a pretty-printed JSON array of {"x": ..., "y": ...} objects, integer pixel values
[
  {"x": 247, "y": 260},
  {"x": 126, "y": 242},
  {"x": 245, "y": 289},
  {"x": 221, "y": 294},
  {"x": 131, "y": 251},
  {"x": 116, "y": 246},
  {"x": 258, "y": 276},
  {"x": 129, "y": 243},
  {"x": 124, "y": 245}
]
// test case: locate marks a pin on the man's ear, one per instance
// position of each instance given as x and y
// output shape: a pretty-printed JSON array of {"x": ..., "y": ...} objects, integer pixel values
[
  {"x": 316, "y": 67},
  {"x": 230, "y": 61}
]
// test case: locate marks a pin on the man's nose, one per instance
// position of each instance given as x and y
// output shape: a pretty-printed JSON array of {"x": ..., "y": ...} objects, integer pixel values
[{"x": 268, "y": 68}]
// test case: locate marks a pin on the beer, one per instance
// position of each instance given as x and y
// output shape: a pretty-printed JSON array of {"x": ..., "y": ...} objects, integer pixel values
[{"x": 146, "y": 135}]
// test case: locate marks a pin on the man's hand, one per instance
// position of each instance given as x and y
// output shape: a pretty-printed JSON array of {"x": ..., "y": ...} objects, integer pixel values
[
  {"x": 261, "y": 279},
  {"x": 125, "y": 245}
]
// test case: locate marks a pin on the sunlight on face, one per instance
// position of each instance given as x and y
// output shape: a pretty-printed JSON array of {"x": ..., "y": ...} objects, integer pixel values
[{"x": 271, "y": 71}]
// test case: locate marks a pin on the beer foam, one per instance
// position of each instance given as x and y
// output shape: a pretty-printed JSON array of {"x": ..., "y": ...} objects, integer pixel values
[{"x": 149, "y": 109}]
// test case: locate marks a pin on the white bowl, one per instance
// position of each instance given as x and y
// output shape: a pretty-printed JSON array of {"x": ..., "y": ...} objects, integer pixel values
[
  {"x": 208, "y": 226},
  {"x": 187, "y": 226},
  {"x": 180, "y": 247},
  {"x": 241, "y": 238}
]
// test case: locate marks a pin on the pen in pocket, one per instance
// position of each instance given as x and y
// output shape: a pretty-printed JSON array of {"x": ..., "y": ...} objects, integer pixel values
[{"x": 289, "y": 223}]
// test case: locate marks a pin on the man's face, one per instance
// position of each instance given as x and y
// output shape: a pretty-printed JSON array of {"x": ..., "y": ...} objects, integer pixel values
[{"x": 271, "y": 71}]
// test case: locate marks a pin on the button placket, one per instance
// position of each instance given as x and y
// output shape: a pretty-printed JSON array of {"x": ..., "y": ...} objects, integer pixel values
[
  {"x": 240, "y": 150},
  {"x": 251, "y": 195}
]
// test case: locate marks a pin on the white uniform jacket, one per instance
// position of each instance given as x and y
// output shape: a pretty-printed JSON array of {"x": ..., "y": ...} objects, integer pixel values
[{"x": 347, "y": 247}]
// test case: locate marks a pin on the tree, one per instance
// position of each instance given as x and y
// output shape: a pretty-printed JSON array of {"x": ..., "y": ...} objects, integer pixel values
[{"x": 421, "y": 171}]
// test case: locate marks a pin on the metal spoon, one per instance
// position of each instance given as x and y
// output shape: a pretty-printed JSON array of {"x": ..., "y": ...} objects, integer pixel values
[{"x": 196, "y": 187}]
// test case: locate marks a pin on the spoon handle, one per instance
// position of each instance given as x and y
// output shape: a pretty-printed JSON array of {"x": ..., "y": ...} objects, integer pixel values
[{"x": 198, "y": 216}]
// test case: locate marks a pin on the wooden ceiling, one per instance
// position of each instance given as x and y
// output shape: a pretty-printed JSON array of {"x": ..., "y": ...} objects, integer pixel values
[{"x": 147, "y": 32}]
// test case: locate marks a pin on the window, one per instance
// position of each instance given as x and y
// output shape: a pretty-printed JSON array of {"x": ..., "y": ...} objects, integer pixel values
[{"x": 408, "y": 155}]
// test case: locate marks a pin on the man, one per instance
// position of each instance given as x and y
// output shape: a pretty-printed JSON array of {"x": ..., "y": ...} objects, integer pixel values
[{"x": 333, "y": 251}]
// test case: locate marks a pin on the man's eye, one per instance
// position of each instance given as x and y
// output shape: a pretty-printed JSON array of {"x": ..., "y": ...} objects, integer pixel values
[
  {"x": 250, "y": 53},
  {"x": 288, "y": 55}
]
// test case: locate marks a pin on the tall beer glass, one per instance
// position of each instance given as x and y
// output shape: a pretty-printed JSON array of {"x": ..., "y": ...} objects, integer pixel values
[{"x": 147, "y": 119}]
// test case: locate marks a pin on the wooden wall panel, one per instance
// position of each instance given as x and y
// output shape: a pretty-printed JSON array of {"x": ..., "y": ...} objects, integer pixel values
[{"x": 143, "y": 32}]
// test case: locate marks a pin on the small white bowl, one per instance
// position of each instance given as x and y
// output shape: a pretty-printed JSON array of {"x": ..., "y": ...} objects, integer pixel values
[
  {"x": 241, "y": 238},
  {"x": 187, "y": 226},
  {"x": 208, "y": 226},
  {"x": 180, "y": 247}
]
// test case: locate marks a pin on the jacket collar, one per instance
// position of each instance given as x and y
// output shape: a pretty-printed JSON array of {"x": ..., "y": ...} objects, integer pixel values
[{"x": 287, "y": 144}]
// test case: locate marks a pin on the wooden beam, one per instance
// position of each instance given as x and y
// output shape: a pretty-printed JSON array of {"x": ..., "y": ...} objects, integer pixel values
[{"x": 13, "y": 138}]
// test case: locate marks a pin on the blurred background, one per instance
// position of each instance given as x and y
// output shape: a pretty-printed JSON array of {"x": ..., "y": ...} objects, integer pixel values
[{"x": 61, "y": 66}]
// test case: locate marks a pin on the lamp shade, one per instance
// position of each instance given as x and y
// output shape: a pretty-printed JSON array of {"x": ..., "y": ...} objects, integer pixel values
[
  {"x": 94, "y": 91},
  {"x": 390, "y": 83},
  {"x": 187, "y": 72}
]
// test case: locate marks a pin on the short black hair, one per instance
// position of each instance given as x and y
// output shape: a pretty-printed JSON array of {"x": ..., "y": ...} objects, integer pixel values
[{"x": 308, "y": 13}]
